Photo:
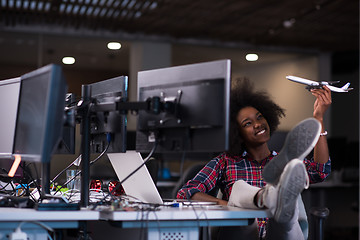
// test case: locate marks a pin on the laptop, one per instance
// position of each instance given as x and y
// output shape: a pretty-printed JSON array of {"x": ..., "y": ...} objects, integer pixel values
[{"x": 140, "y": 185}]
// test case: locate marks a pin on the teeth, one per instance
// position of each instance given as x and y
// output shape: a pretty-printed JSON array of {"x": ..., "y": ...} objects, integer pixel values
[{"x": 261, "y": 132}]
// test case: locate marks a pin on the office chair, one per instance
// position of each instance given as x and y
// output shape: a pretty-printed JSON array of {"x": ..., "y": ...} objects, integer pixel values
[
  {"x": 318, "y": 214},
  {"x": 188, "y": 174}
]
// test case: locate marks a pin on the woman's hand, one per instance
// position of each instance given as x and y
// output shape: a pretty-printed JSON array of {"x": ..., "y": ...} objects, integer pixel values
[
  {"x": 322, "y": 102},
  {"x": 205, "y": 197}
]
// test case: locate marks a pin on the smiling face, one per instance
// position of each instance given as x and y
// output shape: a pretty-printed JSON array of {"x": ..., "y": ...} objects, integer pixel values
[{"x": 254, "y": 128}]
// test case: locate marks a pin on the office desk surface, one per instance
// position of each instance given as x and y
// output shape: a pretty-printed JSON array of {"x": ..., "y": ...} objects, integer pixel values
[
  {"x": 165, "y": 213},
  {"x": 27, "y": 214},
  {"x": 166, "y": 221},
  {"x": 187, "y": 216},
  {"x": 185, "y": 213}
]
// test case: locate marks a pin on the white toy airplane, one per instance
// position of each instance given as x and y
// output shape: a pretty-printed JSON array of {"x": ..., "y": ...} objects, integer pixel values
[{"x": 318, "y": 84}]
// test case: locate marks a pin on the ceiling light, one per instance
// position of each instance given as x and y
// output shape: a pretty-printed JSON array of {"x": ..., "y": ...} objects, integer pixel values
[
  {"x": 289, "y": 23},
  {"x": 252, "y": 57},
  {"x": 68, "y": 60},
  {"x": 114, "y": 45}
]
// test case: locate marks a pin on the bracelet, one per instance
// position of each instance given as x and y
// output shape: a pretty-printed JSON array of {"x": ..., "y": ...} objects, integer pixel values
[{"x": 323, "y": 133}]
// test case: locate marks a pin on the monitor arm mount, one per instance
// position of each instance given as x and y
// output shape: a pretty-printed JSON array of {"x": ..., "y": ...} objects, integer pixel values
[
  {"x": 153, "y": 105},
  {"x": 86, "y": 106}
]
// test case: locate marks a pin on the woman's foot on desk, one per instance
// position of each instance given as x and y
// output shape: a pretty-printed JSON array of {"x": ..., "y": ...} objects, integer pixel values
[
  {"x": 281, "y": 199},
  {"x": 298, "y": 144}
]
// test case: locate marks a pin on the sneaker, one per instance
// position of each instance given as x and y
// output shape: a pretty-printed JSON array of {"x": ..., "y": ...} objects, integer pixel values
[
  {"x": 282, "y": 199},
  {"x": 298, "y": 144}
]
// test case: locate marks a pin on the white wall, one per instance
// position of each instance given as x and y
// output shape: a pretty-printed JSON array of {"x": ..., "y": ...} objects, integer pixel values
[{"x": 271, "y": 77}]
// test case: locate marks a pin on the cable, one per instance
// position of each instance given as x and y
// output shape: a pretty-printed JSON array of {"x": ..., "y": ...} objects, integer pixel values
[
  {"x": 78, "y": 172},
  {"x": 32, "y": 181},
  {"x": 10, "y": 182},
  {"x": 157, "y": 223},
  {"x": 21, "y": 186},
  {"x": 207, "y": 220},
  {"x": 95, "y": 195},
  {"x": 198, "y": 217},
  {"x": 37, "y": 178},
  {"x": 141, "y": 165},
  {"x": 132, "y": 173},
  {"x": 142, "y": 229},
  {"x": 70, "y": 106},
  {"x": 76, "y": 162},
  {"x": 3, "y": 187},
  {"x": 137, "y": 169}
]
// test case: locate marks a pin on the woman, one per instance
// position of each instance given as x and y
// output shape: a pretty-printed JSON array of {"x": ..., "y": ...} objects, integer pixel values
[{"x": 254, "y": 116}]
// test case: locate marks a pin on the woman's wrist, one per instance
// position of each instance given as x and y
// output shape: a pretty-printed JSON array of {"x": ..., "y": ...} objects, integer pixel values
[{"x": 319, "y": 118}]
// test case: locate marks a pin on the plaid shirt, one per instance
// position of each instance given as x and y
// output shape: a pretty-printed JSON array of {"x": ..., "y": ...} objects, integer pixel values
[{"x": 224, "y": 170}]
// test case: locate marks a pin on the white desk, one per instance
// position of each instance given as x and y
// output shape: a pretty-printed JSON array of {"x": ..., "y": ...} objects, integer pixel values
[
  {"x": 184, "y": 223},
  {"x": 11, "y": 218},
  {"x": 27, "y": 214}
]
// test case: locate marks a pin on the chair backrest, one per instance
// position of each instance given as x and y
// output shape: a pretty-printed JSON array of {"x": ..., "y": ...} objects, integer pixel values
[{"x": 188, "y": 174}]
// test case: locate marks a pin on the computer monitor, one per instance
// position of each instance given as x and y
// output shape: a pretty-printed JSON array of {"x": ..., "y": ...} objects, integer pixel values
[
  {"x": 9, "y": 97},
  {"x": 105, "y": 121},
  {"x": 40, "y": 114},
  {"x": 195, "y": 99}
]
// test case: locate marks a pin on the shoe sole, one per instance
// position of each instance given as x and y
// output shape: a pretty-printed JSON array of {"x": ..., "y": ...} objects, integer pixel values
[
  {"x": 298, "y": 144},
  {"x": 291, "y": 184}
]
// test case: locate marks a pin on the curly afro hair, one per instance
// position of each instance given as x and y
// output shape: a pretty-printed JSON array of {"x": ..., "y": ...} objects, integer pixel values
[{"x": 244, "y": 95}]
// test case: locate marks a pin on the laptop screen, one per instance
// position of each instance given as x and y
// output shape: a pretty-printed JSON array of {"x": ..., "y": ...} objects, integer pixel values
[{"x": 140, "y": 185}]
